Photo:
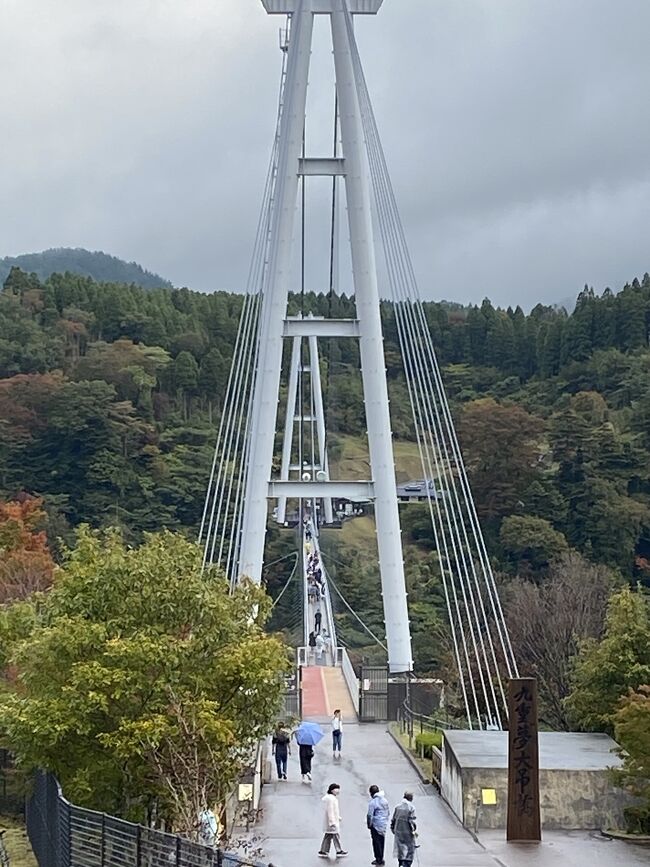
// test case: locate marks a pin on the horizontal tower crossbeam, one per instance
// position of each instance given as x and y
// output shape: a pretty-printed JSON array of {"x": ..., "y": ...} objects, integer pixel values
[
  {"x": 322, "y": 7},
  {"x": 311, "y": 490},
  {"x": 321, "y": 167},
  {"x": 313, "y": 327}
]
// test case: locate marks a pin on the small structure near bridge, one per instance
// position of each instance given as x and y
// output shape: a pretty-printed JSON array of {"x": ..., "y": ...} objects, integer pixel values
[
  {"x": 418, "y": 491},
  {"x": 575, "y": 788}
]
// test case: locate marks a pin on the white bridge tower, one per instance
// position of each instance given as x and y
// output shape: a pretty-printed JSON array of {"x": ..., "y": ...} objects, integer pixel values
[{"x": 275, "y": 326}]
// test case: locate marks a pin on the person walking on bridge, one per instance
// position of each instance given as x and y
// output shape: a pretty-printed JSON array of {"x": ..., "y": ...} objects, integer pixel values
[
  {"x": 318, "y": 619},
  {"x": 377, "y": 821},
  {"x": 332, "y": 823},
  {"x": 320, "y": 646},
  {"x": 404, "y": 828},
  {"x": 337, "y": 733}
]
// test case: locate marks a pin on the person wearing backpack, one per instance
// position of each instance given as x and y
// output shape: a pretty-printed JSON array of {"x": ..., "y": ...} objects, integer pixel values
[{"x": 281, "y": 749}]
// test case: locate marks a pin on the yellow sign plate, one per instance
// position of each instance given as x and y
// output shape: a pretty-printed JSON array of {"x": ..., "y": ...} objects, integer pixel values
[{"x": 489, "y": 797}]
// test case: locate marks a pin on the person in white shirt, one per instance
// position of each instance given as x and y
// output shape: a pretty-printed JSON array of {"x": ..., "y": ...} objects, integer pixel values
[
  {"x": 332, "y": 823},
  {"x": 320, "y": 646},
  {"x": 337, "y": 733}
]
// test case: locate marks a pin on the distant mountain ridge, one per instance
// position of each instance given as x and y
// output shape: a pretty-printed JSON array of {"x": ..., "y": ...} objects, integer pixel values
[{"x": 100, "y": 266}]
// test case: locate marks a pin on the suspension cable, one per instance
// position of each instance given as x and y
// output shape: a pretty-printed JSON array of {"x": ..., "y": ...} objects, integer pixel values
[{"x": 452, "y": 509}]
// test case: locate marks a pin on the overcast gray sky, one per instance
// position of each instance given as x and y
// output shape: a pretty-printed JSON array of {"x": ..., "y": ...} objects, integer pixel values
[{"x": 517, "y": 133}]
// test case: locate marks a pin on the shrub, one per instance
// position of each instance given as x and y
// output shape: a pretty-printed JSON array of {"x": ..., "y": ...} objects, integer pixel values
[
  {"x": 637, "y": 820},
  {"x": 426, "y": 740}
]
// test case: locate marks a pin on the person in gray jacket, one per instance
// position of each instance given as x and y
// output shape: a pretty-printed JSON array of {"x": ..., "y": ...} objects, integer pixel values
[
  {"x": 377, "y": 820},
  {"x": 405, "y": 830}
]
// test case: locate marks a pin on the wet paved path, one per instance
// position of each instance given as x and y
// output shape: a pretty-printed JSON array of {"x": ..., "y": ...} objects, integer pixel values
[
  {"x": 292, "y": 819},
  {"x": 293, "y": 824}
]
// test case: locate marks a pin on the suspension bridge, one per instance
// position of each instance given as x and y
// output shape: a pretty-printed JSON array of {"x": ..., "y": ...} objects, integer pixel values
[
  {"x": 272, "y": 464},
  {"x": 270, "y": 467}
]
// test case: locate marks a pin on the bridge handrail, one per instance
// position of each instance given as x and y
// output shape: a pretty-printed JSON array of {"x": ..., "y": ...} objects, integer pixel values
[
  {"x": 350, "y": 676},
  {"x": 330, "y": 613},
  {"x": 305, "y": 589},
  {"x": 326, "y": 599}
]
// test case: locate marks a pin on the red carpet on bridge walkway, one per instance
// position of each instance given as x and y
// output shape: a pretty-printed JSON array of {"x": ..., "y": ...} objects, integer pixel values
[{"x": 314, "y": 695}]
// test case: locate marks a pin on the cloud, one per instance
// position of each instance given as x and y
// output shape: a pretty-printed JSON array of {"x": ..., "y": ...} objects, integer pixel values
[{"x": 517, "y": 133}]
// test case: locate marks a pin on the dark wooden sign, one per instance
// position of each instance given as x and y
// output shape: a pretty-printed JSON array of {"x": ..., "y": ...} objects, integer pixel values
[{"x": 524, "y": 825}]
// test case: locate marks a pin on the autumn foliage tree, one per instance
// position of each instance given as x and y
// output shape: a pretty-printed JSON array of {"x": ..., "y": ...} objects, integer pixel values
[
  {"x": 501, "y": 448},
  {"x": 26, "y": 564}
]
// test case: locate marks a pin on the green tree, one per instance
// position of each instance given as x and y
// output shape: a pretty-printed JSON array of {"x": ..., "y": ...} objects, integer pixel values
[
  {"x": 213, "y": 378},
  {"x": 500, "y": 344},
  {"x": 530, "y": 540},
  {"x": 577, "y": 339},
  {"x": 132, "y": 368},
  {"x": 549, "y": 345},
  {"x": 133, "y": 656},
  {"x": 543, "y": 500},
  {"x": 632, "y": 730},
  {"x": 631, "y": 325},
  {"x": 186, "y": 379},
  {"x": 607, "y": 669}
]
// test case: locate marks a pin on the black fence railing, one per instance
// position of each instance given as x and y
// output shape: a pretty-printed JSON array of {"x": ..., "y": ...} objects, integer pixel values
[
  {"x": 412, "y": 723},
  {"x": 63, "y": 835}
]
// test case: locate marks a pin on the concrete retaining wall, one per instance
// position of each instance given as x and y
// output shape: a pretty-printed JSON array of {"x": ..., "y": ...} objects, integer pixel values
[{"x": 570, "y": 800}]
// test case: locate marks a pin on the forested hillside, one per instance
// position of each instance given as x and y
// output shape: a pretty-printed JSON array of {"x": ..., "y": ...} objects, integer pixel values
[
  {"x": 98, "y": 265},
  {"x": 110, "y": 397}
]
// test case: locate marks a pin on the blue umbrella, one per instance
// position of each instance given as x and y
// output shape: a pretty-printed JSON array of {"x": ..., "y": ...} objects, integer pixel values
[{"x": 309, "y": 734}]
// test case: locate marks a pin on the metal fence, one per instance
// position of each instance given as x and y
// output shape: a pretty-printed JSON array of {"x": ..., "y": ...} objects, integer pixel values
[
  {"x": 373, "y": 700},
  {"x": 292, "y": 699},
  {"x": 63, "y": 835},
  {"x": 412, "y": 723}
]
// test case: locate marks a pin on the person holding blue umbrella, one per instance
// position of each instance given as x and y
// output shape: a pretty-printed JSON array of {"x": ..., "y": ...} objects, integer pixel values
[{"x": 308, "y": 734}]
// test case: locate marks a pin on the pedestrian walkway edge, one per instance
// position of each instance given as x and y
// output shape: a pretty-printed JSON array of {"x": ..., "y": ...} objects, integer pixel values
[
  {"x": 412, "y": 761},
  {"x": 426, "y": 780}
]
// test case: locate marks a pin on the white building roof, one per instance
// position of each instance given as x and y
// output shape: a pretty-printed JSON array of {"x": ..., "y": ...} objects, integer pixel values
[{"x": 575, "y": 751}]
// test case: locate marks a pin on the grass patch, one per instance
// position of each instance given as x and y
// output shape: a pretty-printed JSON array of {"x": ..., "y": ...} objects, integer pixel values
[
  {"x": 18, "y": 848},
  {"x": 425, "y": 741},
  {"x": 360, "y": 535},
  {"x": 351, "y": 459},
  {"x": 403, "y": 739}
]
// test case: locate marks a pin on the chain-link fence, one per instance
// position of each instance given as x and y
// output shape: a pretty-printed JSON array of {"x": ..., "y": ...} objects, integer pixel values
[{"x": 63, "y": 835}]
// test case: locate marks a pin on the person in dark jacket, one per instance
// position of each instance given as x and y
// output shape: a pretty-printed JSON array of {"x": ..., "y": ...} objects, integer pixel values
[
  {"x": 306, "y": 754},
  {"x": 281, "y": 749},
  {"x": 377, "y": 820}
]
